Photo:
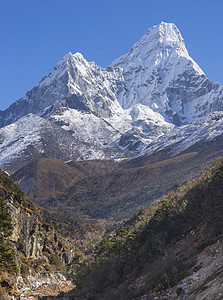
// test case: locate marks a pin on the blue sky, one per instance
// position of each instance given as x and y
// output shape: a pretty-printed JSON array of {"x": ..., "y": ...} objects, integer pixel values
[{"x": 35, "y": 35}]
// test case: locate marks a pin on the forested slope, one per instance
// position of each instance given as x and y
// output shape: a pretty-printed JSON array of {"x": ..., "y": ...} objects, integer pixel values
[{"x": 159, "y": 247}]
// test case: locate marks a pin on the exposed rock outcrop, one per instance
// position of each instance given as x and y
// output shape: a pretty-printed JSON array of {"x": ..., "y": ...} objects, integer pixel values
[{"x": 40, "y": 253}]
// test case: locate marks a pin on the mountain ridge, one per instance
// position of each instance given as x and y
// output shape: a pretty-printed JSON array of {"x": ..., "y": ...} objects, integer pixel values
[{"x": 144, "y": 95}]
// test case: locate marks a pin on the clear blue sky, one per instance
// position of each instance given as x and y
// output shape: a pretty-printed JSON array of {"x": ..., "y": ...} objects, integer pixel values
[{"x": 36, "y": 34}]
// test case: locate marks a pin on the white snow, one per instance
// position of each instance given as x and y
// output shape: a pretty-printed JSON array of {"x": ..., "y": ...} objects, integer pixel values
[
  {"x": 140, "y": 93},
  {"x": 86, "y": 126},
  {"x": 181, "y": 138},
  {"x": 16, "y": 137},
  {"x": 152, "y": 65}
]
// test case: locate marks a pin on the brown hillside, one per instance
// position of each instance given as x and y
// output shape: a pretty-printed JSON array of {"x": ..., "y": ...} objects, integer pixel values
[{"x": 108, "y": 189}]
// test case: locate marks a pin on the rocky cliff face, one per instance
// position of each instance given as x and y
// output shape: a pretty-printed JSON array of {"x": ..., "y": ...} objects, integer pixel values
[
  {"x": 31, "y": 235},
  {"x": 39, "y": 251}
]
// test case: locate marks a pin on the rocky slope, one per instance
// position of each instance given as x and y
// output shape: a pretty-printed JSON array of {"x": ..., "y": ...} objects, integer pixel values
[
  {"x": 203, "y": 131},
  {"x": 112, "y": 190},
  {"x": 143, "y": 96},
  {"x": 33, "y": 137},
  {"x": 170, "y": 251},
  {"x": 40, "y": 253}
]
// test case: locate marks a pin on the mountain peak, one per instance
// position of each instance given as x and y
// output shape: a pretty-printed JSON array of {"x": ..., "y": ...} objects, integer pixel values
[
  {"x": 154, "y": 63},
  {"x": 78, "y": 55},
  {"x": 160, "y": 44},
  {"x": 164, "y": 37},
  {"x": 170, "y": 37},
  {"x": 69, "y": 56}
]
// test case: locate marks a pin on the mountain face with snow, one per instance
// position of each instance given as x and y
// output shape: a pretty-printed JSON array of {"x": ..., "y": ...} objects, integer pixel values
[
  {"x": 33, "y": 137},
  {"x": 159, "y": 73},
  {"x": 144, "y": 97}
]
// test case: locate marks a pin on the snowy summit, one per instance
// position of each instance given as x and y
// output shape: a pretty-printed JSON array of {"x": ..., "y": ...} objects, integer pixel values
[{"x": 146, "y": 94}]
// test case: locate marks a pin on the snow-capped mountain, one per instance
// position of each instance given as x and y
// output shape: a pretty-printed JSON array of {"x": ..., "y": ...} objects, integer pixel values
[
  {"x": 95, "y": 90},
  {"x": 158, "y": 72},
  {"x": 143, "y": 97},
  {"x": 181, "y": 138},
  {"x": 32, "y": 137}
]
